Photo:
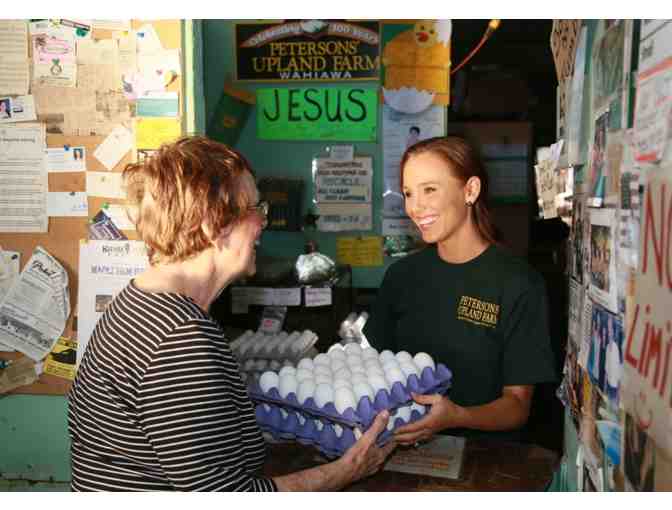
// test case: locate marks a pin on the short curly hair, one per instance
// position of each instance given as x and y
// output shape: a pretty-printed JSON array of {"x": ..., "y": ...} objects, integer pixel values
[{"x": 186, "y": 185}]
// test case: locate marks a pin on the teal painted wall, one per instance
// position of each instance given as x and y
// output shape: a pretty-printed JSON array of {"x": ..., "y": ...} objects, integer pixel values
[{"x": 288, "y": 159}]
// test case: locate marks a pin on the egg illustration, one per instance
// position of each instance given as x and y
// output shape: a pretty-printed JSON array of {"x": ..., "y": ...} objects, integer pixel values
[
  {"x": 302, "y": 374},
  {"x": 321, "y": 359},
  {"x": 385, "y": 356},
  {"x": 323, "y": 394},
  {"x": 343, "y": 399},
  {"x": 403, "y": 356},
  {"x": 305, "y": 391},
  {"x": 353, "y": 349},
  {"x": 287, "y": 370},
  {"x": 287, "y": 385},
  {"x": 363, "y": 389},
  {"x": 268, "y": 380},
  {"x": 422, "y": 360},
  {"x": 369, "y": 353},
  {"x": 306, "y": 363}
]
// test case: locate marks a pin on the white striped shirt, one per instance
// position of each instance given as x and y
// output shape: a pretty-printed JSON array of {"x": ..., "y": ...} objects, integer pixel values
[{"x": 158, "y": 403}]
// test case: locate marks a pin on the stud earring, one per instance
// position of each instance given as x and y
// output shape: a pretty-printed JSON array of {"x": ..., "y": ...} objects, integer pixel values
[{"x": 469, "y": 203}]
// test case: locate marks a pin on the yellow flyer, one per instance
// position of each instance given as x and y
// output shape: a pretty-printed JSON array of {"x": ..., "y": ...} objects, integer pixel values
[
  {"x": 360, "y": 251},
  {"x": 61, "y": 360},
  {"x": 150, "y": 133}
]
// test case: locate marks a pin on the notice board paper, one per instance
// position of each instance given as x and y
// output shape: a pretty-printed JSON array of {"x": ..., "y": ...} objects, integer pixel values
[
  {"x": 150, "y": 133},
  {"x": 115, "y": 147},
  {"x": 360, "y": 251}
]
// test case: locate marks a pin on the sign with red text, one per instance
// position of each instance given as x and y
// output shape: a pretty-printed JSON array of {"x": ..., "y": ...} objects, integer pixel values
[{"x": 647, "y": 352}]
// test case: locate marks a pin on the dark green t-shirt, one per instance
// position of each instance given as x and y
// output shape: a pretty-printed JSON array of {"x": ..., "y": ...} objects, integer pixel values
[{"x": 485, "y": 319}]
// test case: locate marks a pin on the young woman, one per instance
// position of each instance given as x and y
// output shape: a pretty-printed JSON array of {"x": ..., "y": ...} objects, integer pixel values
[
  {"x": 464, "y": 300},
  {"x": 158, "y": 403}
]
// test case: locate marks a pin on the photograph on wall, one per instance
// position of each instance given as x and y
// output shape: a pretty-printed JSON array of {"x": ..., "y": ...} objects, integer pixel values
[
  {"x": 580, "y": 224},
  {"x": 607, "y": 71},
  {"x": 605, "y": 358},
  {"x": 574, "y": 122},
  {"x": 570, "y": 389},
  {"x": 598, "y": 161},
  {"x": 602, "y": 274},
  {"x": 588, "y": 433},
  {"x": 639, "y": 457}
]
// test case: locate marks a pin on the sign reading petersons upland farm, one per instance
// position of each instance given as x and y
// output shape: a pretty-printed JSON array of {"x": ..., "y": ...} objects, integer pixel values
[{"x": 307, "y": 50}]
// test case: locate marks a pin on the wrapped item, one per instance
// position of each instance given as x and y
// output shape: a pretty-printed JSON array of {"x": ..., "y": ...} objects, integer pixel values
[{"x": 315, "y": 268}]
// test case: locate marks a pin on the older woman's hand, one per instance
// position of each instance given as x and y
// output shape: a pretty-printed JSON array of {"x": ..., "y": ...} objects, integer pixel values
[{"x": 364, "y": 458}]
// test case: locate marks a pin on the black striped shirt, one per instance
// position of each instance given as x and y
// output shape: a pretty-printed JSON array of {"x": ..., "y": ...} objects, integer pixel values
[{"x": 158, "y": 403}]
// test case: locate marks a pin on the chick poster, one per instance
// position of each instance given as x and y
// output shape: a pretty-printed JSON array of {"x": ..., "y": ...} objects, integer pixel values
[{"x": 416, "y": 64}]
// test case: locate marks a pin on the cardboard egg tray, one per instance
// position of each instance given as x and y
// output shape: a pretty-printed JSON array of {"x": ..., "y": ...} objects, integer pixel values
[
  {"x": 291, "y": 424},
  {"x": 430, "y": 381}
]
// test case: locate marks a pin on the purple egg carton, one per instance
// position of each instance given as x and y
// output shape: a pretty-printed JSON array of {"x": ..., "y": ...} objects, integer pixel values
[
  {"x": 430, "y": 381},
  {"x": 307, "y": 433}
]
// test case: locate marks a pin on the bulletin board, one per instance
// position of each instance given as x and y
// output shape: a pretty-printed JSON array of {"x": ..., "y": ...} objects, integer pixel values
[{"x": 65, "y": 234}]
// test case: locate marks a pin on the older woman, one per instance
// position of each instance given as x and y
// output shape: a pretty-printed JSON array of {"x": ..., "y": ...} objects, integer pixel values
[
  {"x": 464, "y": 300},
  {"x": 158, "y": 403}
]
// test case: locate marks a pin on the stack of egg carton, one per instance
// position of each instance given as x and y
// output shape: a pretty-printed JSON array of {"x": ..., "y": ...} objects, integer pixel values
[
  {"x": 327, "y": 401},
  {"x": 259, "y": 351}
]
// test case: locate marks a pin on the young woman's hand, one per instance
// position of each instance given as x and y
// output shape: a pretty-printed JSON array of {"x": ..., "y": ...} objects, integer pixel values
[{"x": 442, "y": 415}]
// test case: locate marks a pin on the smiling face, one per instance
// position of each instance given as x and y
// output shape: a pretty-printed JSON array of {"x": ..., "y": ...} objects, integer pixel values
[{"x": 435, "y": 199}]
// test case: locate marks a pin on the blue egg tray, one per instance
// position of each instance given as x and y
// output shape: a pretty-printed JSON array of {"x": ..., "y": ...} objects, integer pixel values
[
  {"x": 326, "y": 441},
  {"x": 430, "y": 381}
]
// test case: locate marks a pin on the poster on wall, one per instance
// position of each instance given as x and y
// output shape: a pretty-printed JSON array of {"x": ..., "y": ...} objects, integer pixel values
[
  {"x": 608, "y": 62},
  {"x": 605, "y": 358},
  {"x": 400, "y": 131},
  {"x": 603, "y": 287},
  {"x": 307, "y": 50},
  {"x": 647, "y": 390},
  {"x": 318, "y": 113},
  {"x": 598, "y": 161}
]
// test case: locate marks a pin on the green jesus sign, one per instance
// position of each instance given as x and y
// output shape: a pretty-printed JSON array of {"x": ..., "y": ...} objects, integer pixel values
[{"x": 344, "y": 114}]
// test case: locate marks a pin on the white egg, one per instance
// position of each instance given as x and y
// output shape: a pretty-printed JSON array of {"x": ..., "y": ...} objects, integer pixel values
[
  {"x": 260, "y": 365},
  {"x": 354, "y": 360},
  {"x": 275, "y": 365},
  {"x": 409, "y": 368},
  {"x": 344, "y": 398},
  {"x": 358, "y": 369},
  {"x": 322, "y": 369},
  {"x": 305, "y": 391},
  {"x": 358, "y": 434},
  {"x": 385, "y": 356},
  {"x": 323, "y": 379},
  {"x": 337, "y": 364},
  {"x": 287, "y": 385},
  {"x": 301, "y": 418},
  {"x": 422, "y": 360},
  {"x": 353, "y": 349},
  {"x": 323, "y": 394},
  {"x": 369, "y": 353},
  {"x": 321, "y": 359},
  {"x": 359, "y": 377},
  {"x": 268, "y": 380},
  {"x": 363, "y": 389},
  {"x": 305, "y": 363},
  {"x": 343, "y": 373},
  {"x": 394, "y": 375},
  {"x": 284, "y": 414},
  {"x": 393, "y": 363},
  {"x": 267, "y": 408},
  {"x": 404, "y": 413},
  {"x": 378, "y": 383},
  {"x": 337, "y": 353},
  {"x": 403, "y": 356},
  {"x": 419, "y": 408},
  {"x": 287, "y": 370},
  {"x": 341, "y": 383},
  {"x": 303, "y": 373},
  {"x": 338, "y": 430},
  {"x": 319, "y": 425}
]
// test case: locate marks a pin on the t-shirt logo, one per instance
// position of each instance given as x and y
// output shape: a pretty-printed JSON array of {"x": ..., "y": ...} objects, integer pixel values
[{"x": 477, "y": 311}]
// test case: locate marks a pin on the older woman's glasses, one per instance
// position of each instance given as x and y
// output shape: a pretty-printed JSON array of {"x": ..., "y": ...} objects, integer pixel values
[{"x": 261, "y": 209}]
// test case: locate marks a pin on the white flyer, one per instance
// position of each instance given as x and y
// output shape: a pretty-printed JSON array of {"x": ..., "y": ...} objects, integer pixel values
[
  {"x": 34, "y": 310},
  {"x": 17, "y": 109},
  {"x": 114, "y": 147},
  {"x": 67, "y": 203}
]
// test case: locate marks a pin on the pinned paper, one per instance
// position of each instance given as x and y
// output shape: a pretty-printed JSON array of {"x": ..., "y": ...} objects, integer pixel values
[
  {"x": 66, "y": 159},
  {"x": 105, "y": 184},
  {"x": 115, "y": 147},
  {"x": 67, "y": 203},
  {"x": 17, "y": 109},
  {"x": 342, "y": 152},
  {"x": 317, "y": 296},
  {"x": 119, "y": 214},
  {"x": 150, "y": 133},
  {"x": 148, "y": 40},
  {"x": 360, "y": 251},
  {"x": 62, "y": 358}
]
